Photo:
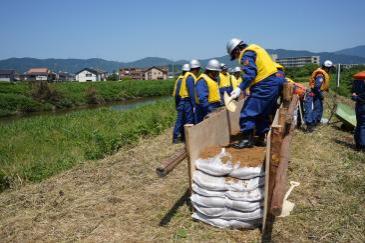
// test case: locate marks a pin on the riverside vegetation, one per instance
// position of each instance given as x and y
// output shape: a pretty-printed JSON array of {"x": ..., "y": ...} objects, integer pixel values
[{"x": 42, "y": 96}]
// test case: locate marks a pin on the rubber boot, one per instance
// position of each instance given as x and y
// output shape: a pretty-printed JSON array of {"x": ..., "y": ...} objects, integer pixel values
[
  {"x": 260, "y": 141},
  {"x": 245, "y": 142},
  {"x": 310, "y": 128}
]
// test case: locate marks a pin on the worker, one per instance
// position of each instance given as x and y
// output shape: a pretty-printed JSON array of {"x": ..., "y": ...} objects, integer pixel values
[
  {"x": 236, "y": 78},
  {"x": 224, "y": 81},
  {"x": 178, "y": 133},
  {"x": 358, "y": 95},
  {"x": 187, "y": 92},
  {"x": 260, "y": 75},
  {"x": 207, "y": 90},
  {"x": 313, "y": 103}
]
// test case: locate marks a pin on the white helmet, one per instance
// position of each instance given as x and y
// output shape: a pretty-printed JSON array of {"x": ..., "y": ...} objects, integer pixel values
[
  {"x": 194, "y": 64},
  {"x": 224, "y": 66},
  {"x": 186, "y": 67},
  {"x": 328, "y": 63},
  {"x": 213, "y": 65},
  {"x": 236, "y": 69},
  {"x": 232, "y": 44}
]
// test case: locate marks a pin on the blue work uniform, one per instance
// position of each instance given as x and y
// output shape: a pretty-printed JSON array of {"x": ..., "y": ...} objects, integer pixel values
[
  {"x": 261, "y": 102},
  {"x": 359, "y": 89},
  {"x": 189, "y": 102},
  {"x": 180, "y": 119},
  {"x": 313, "y": 103},
  {"x": 204, "y": 107}
]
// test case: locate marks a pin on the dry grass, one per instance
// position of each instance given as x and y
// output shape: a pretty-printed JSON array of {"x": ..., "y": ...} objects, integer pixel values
[{"x": 121, "y": 199}]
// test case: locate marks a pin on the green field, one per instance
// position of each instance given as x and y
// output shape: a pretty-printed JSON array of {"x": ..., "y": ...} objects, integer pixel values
[
  {"x": 23, "y": 97},
  {"x": 35, "y": 148}
]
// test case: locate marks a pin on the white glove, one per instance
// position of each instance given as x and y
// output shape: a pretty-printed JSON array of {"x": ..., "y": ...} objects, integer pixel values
[{"x": 235, "y": 93}]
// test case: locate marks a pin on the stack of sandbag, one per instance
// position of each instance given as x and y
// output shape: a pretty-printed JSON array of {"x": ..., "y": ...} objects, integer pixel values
[{"x": 227, "y": 194}]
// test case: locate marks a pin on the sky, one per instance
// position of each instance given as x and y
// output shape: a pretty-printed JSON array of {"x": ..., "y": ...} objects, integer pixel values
[{"x": 130, "y": 30}]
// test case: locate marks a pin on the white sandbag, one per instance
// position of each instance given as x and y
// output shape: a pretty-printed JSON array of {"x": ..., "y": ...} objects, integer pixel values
[
  {"x": 221, "y": 223},
  {"x": 250, "y": 196},
  {"x": 214, "y": 183},
  {"x": 214, "y": 166},
  {"x": 218, "y": 202},
  {"x": 247, "y": 172},
  {"x": 229, "y": 214},
  {"x": 207, "y": 193}
]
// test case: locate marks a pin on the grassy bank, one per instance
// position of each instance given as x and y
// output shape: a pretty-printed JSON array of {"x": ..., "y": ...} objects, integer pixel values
[
  {"x": 35, "y": 148},
  {"x": 23, "y": 97}
]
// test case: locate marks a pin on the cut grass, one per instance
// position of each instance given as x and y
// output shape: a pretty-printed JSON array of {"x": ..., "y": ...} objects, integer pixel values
[{"x": 35, "y": 148}]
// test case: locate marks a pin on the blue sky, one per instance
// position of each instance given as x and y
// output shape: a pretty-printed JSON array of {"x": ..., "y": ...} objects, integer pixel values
[{"x": 130, "y": 30}]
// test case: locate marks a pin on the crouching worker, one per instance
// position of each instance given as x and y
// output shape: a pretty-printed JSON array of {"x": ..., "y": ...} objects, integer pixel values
[
  {"x": 313, "y": 103},
  {"x": 260, "y": 75},
  {"x": 178, "y": 133},
  {"x": 207, "y": 90},
  {"x": 224, "y": 81},
  {"x": 358, "y": 95}
]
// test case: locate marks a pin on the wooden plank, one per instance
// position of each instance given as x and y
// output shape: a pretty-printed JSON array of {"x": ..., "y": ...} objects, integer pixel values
[
  {"x": 267, "y": 179},
  {"x": 287, "y": 93}
]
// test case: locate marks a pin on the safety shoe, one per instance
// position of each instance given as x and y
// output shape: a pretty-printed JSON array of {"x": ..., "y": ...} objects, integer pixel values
[
  {"x": 177, "y": 140},
  {"x": 260, "y": 141},
  {"x": 245, "y": 142},
  {"x": 309, "y": 129}
]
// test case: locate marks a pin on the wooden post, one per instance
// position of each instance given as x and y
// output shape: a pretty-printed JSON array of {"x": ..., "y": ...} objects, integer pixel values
[
  {"x": 170, "y": 163},
  {"x": 287, "y": 94}
]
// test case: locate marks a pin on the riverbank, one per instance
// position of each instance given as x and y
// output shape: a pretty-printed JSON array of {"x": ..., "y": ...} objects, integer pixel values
[
  {"x": 30, "y": 97},
  {"x": 36, "y": 148}
]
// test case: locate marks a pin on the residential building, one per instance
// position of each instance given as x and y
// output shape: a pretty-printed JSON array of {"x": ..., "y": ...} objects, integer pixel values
[
  {"x": 131, "y": 73},
  {"x": 298, "y": 61},
  {"x": 90, "y": 75},
  {"x": 155, "y": 73},
  {"x": 7, "y": 75},
  {"x": 40, "y": 74},
  {"x": 65, "y": 76}
]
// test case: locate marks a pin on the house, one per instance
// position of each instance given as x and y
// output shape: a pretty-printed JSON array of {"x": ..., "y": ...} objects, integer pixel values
[
  {"x": 131, "y": 73},
  {"x": 65, "y": 76},
  {"x": 154, "y": 73},
  {"x": 40, "y": 74},
  {"x": 7, "y": 75},
  {"x": 90, "y": 75}
]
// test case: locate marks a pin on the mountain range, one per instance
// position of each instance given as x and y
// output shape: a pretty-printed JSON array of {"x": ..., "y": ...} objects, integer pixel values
[{"x": 355, "y": 55}]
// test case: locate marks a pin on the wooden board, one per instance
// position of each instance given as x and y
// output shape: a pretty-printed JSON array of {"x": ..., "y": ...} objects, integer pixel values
[
  {"x": 267, "y": 177},
  {"x": 234, "y": 119}
]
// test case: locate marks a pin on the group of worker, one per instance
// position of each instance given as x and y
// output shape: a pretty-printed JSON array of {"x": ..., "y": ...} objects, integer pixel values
[{"x": 258, "y": 80}]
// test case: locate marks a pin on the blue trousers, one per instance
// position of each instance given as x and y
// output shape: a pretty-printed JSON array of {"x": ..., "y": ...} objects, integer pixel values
[
  {"x": 360, "y": 127},
  {"x": 203, "y": 111},
  {"x": 185, "y": 115},
  {"x": 313, "y": 109},
  {"x": 258, "y": 107}
]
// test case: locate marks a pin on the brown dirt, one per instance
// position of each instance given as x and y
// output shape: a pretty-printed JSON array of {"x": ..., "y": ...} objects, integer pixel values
[
  {"x": 119, "y": 198},
  {"x": 250, "y": 157}
]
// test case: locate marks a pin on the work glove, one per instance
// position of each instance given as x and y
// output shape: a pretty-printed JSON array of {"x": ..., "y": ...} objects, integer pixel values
[{"x": 235, "y": 93}]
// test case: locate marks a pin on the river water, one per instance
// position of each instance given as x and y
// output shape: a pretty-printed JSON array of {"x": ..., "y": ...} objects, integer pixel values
[{"x": 119, "y": 106}]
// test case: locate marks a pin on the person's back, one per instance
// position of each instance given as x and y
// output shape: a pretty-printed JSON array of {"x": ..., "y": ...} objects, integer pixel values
[{"x": 358, "y": 95}]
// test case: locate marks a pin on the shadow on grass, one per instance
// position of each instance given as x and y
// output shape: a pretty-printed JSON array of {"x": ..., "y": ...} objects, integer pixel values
[
  {"x": 346, "y": 144},
  {"x": 168, "y": 216}
]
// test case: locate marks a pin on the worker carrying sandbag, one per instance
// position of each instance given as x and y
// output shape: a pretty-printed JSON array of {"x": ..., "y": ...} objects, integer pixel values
[
  {"x": 207, "y": 90},
  {"x": 178, "y": 133},
  {"x": 264, "y": 81},
  {"x": 358, "y": 95},
  {"x": 313, "y": 104},
  {"x": 224, "y": 81}
]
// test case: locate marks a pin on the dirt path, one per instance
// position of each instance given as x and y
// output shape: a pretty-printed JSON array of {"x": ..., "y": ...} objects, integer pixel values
[{"x": 121, "y": 199}]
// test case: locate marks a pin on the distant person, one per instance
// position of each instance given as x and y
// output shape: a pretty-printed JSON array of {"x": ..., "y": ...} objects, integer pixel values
[
  {"x": 207, "y": 90},
  {"x": 358, "y": 95},
  {"x": 313, "y": 104},
  {"x": 224, "y": 81},
  {"x": 261, "y": 76},
  {"x": 236, "y": 77},
  {"x": 178, "y": 133}
]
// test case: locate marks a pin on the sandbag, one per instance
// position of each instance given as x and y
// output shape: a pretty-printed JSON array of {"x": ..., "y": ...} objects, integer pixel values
[
  {"x": 226, "y": 183},
  {"x": 218, "y": 202},
  {"x": 250, "y": 196},
  {"x": 229, "y": 214},
  {"x": 222, "y": 223},
  {"x": 247, "y": 172}
]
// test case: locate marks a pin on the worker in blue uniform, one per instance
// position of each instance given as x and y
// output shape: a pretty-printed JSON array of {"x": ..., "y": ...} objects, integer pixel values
[
  {"x": 260, "y": 76},
  {"x": 358, "y": 95},
  {"x": 178, "y": 132},
  {"x": 207, "y": 90},
  {"x": 224, "y": 81},
  {"x": 313, "y": 102}
]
